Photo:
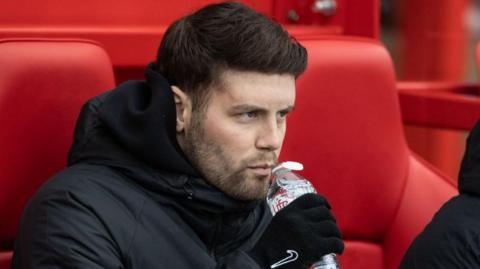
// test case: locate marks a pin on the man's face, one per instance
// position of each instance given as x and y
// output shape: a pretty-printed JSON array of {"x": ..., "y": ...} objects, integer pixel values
[{"x": 238, "y": 138}]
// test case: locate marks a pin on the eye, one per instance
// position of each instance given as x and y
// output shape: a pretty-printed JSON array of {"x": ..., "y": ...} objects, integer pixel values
[
  {"x": 282, "y": 115},
  {"x": 249, "y": 115}
]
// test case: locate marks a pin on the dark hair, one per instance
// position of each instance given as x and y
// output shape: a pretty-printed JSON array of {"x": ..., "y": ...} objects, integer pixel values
[{"x": 198, "y": 47}]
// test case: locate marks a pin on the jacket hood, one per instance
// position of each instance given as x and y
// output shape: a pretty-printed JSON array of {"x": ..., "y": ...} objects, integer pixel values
[
  {"x": 469, "y": 178},
  {"x": 132, "y": 128},
  {"x": 143, "y": 120}
]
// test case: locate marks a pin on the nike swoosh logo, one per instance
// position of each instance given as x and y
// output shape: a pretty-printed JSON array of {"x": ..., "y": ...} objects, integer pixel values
[{"x": 292, "y": 256}]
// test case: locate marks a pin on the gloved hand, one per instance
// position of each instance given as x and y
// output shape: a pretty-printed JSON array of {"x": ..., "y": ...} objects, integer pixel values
[{"x": 299, "y": 234}]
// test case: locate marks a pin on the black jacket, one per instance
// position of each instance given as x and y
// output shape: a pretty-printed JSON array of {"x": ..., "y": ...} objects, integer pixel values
[
  {"x": 130, "y": 199},
  {"x": 452, "y": 239}
]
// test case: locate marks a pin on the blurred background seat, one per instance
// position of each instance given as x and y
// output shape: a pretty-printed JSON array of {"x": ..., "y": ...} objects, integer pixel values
[
  {"x": 347, "y": 131},
  {"x": 43, "y": 84}
]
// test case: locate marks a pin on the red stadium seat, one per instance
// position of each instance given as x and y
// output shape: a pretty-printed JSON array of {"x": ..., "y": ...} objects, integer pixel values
[
  {"x": 43, "y": 84},
  {"x": 347, "y": 131}
]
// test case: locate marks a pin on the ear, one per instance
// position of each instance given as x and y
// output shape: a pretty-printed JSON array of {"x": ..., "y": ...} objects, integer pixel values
[{"x": 183, "y": 106}]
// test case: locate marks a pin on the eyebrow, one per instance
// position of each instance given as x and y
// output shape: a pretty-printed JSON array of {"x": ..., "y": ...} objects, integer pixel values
[{"x": 246, "y": 107}]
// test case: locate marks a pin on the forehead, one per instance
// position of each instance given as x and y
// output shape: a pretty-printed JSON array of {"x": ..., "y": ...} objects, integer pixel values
[{"x": 239, "y": 87}]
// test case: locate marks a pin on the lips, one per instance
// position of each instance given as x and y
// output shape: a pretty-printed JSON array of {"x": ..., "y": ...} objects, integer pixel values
[
  {"x": 261, "y": 169},
  {"x": 262, "y": 165}
]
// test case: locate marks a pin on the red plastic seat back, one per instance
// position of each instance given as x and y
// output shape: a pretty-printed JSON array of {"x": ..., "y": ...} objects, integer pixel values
[
  {"x": 478, "y": 60},
  {"x": 43, "y": 84},
  {"x": 348, "y": 114},
  {"x": 347, "y": 131}
]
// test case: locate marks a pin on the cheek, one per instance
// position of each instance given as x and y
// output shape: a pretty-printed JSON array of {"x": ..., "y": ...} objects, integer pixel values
[{"x": 235, "y": 141}]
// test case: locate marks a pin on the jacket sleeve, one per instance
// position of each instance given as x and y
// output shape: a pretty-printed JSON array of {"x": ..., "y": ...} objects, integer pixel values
[
  {"x": 237, "y": 260},
  {"x": 450, "y": 241},
  {"x": 57, "y": 230}
]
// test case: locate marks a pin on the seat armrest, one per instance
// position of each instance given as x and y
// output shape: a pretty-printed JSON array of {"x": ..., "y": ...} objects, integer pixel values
[{"x": 441, "y": 105}]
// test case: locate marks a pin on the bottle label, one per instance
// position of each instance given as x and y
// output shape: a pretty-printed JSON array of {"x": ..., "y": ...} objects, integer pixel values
[
  {"x": 279, "y": 201},
  {"x": 285, "y": 190}
]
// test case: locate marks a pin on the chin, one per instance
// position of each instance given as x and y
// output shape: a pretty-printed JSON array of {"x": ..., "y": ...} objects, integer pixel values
[{"x": 252, "y": 192}]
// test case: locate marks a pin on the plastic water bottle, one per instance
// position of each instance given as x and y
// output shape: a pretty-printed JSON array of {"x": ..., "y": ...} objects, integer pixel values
[{"x": 288, "y": 186}]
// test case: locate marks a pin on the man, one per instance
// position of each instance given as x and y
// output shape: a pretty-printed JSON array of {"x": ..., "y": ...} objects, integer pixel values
[
  {"x": 173, "y": 172},
  {"x": 452, "y": 239}
]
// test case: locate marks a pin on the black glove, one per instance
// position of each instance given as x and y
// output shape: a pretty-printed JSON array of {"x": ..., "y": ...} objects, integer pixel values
[{"x": 299, "y": 235}]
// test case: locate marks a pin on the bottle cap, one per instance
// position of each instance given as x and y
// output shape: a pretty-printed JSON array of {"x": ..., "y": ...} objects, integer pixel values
[{"x": 295, "y": 166}]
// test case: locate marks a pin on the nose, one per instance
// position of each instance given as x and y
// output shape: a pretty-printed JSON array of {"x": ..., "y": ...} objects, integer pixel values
[{"x": 270, "y": 136}]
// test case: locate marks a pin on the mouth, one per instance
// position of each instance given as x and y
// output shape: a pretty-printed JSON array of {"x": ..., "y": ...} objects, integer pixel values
[{"x": 261, "y": 169}]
